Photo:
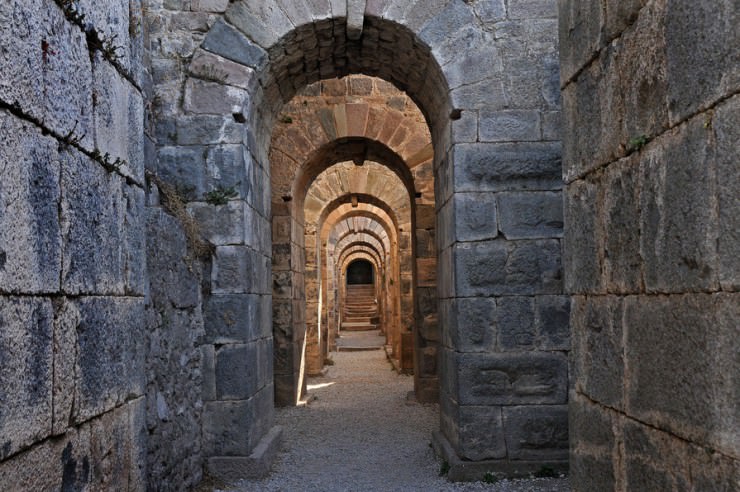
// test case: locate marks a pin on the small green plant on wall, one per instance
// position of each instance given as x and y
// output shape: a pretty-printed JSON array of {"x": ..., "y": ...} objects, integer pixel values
[{"x": 221, "y": 195}]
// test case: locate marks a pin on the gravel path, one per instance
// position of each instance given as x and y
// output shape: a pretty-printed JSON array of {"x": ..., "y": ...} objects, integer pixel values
[{"x": 361, "y": 434}]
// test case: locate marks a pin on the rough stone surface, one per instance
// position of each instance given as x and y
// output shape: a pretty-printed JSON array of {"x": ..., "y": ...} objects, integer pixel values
[{"x": 648, "y": 229}]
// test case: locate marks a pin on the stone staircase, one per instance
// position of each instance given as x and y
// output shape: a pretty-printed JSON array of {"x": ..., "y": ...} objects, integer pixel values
[{"x": 360, "y": 308}]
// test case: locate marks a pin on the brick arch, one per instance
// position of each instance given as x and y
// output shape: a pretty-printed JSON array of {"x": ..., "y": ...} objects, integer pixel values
[{"x": 397, "y": 310}]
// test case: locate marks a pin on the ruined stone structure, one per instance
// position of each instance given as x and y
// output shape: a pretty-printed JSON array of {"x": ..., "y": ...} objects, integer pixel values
[{"x": 184, "y": 184}]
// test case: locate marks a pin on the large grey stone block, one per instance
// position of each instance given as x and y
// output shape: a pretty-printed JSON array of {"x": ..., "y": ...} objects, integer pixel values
[
  {"x": 256, "y": 465},
  {"x": 503, "y": 267},
  {"x": 598, "y": 348},
  {"x": 93, "y": 213},
  {"x": 516, "y": 323},
  {"x": 171, "y": 275},
  {"x": 622, "y": 261},
  {"x": 537, "y": 432},
  {"x": 264, "y": 22},
  {"x": 582, "y": 240},
  {"x": 701, "y": 54},
  {"x": 530, "y": 215},
  {"x": 676, "y": 202},
  {"x": 481, "y": 433},
  {"x": 236, "y": 372},
  {"x": 513, "y": 379},
  {"x": 476, "y": 216},
  {"x": 233, "y": 318},
  {"x": 224, "y": 40},
  {"x": 236, "y": 270},
  {"x": 110, "y": 355},
  {"x": 30, "y": 234},
  {"x": 472, "y": 326},
  {"x": 552, "y": 317},
  {"x": 26, "y": 372},
  {"x": 530, "y": 9},
  {"x": 216, "y": 98},
  {"x": 509, "y": 126},
  {"x": 581, "y": 34},
  {"x": 659, "y": 460},
  {"x": 683, "y": 345},
  {"x": 726, "y": 125},
  {"x": 227, "y": 427},
  {"x": 119, "y": 119},
  {"x": 507, "y": 166},
  {"x": 221, "y": 225}
]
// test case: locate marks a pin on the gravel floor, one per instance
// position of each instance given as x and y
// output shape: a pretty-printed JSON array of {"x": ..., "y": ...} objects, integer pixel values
[{"x": 361, "y": 434}]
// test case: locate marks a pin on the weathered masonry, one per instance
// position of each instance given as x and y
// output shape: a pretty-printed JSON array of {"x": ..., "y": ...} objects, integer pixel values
[{"x": 188, "y": 186}]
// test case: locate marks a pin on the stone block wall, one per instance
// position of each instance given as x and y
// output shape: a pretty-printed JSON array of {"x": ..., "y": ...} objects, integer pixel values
[
  {"x": 72, "y": 258},
  {"x": 202, "y": 150},
  {"x": 651, "y": 103},
  {"x": 503, "y": 313}
]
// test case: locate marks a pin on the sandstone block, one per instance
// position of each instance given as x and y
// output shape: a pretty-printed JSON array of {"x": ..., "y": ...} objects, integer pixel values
[
  {"x": 30, "y": 235},
  {"x": 26, "y": 370},
  {"x": 511, "y": 379}
]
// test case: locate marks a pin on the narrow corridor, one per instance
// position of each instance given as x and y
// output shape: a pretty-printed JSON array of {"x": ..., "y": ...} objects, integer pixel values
[{"x": 361, "y": 433}]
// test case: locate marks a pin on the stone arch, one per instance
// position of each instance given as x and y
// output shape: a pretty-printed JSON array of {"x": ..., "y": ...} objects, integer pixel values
[{"x": 490, "y": 109}]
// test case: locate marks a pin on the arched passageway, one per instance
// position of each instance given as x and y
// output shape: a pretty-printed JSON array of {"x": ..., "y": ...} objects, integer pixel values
[
  {"x": 487, "y": 275},
  {"x": 360, "y": 272}
]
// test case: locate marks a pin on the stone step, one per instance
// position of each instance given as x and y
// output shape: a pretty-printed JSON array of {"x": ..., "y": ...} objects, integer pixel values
[{"x": 354, "y": 326}]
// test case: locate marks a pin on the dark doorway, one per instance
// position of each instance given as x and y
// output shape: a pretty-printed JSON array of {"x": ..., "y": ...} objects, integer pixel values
[{"x": 360, "y": 272}]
